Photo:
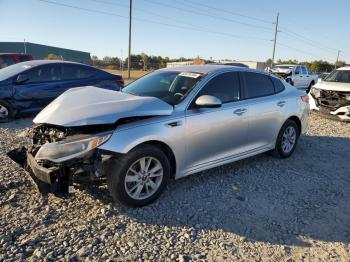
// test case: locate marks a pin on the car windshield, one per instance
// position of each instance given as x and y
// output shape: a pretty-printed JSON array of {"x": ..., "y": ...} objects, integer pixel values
[
  {"x": 12, "y": 70},
  {"x": 342, "y": 76},
  {"x": 170, "y": 86}
]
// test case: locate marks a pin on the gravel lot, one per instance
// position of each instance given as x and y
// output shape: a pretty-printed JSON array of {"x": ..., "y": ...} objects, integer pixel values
[{"x": 261, "y": 209}]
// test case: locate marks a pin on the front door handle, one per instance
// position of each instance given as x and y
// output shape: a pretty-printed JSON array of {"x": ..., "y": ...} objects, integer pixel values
[
  {"x": 240, "y": 111},
  {"x": 281, "y": 103},
  {"x": 174, "y": 124}
]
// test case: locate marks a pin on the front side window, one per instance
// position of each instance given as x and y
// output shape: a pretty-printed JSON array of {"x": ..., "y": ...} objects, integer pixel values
[
  {"x": 342, "y": 76},
  {"x": 303, "y": 70},
  {"x": 170, "y": 86},
  {"x": 226, "y": 87},
  {"x": 13, "y": 70},
  {"x": 297, "y": 70},
  {"x": 258, "y": 85}
]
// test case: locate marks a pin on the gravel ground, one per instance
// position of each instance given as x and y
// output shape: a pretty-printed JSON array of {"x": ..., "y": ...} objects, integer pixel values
[{"x": 261, "y": 208}]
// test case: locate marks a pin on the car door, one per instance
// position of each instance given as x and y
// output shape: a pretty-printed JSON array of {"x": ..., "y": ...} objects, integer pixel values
[
  {"x": 266, "y": 109},
  {"x": 298, "y": 77},
  {"x": 213, "y": 134},
  {"x": 306, "y": 78},
  {"x": 42, "y": 84}
]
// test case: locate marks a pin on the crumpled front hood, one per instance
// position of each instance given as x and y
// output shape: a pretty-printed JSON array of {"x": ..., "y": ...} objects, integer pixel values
[
  {"x": 93, "y": 106},
  {"x": 333, "y": 86}
]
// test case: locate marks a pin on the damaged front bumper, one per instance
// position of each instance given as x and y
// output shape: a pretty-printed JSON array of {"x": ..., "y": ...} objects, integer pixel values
[
  {"x": 332, "y": 104},
  {"x": 54, "y": 158},
  {"x": 54, "y": 179}
]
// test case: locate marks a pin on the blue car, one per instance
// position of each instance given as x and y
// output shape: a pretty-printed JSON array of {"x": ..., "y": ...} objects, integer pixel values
[{"x": 26, "y": 88}]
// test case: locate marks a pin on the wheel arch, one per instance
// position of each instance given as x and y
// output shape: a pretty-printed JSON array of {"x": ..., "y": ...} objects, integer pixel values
[
  {"x": 297, "y": 121},
  {"x": 166, "y": 150}
]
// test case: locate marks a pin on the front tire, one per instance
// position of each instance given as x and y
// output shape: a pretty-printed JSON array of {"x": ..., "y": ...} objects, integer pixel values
[
  {"x": 7, "y": 113},
  {"x": 138, "y": 178},
  {"x": 287, "y": 140}
]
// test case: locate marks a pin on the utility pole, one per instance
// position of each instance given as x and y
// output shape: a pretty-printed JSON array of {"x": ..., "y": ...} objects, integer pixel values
[
  {"x": 25, "y": 46},
  {"x": 121, "y": 60},
  {"x": 335, "y": 65},
  {"x": 274, "y": 40},
  {"x": 129, "y": 59}
]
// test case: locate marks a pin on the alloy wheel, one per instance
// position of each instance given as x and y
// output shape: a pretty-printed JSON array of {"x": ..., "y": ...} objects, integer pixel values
[
  {"x": 143, "y": 178},
  {"x": 288, "y": 139},
  {"x": 4, "y": 112}
]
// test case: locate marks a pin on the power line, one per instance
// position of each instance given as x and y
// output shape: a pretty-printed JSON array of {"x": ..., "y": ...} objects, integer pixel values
[
  {"x": 299, "y": 50},
  {"x": 305, "y": 39},
  {"x": 155, "y": 22},
  {"x": 196, "y": 4},
  {"x": 207, "y": 15}
]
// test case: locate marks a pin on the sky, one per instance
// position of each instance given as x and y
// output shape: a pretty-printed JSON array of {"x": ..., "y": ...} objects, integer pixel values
[{"x": 217, "y": 29}]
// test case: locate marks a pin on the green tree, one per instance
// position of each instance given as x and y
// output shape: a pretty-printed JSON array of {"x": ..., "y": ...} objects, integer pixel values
[
  {"x": 269, "y": 61},
  {"x": 54, "y": 57},
  {"x": 145, "y": 60},
  {"x": 321, "y": 66},
  {"x": 340, "y": 64}
]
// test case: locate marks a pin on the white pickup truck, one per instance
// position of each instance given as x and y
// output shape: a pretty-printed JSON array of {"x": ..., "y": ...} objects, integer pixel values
[{"x": 297, "y": 75}]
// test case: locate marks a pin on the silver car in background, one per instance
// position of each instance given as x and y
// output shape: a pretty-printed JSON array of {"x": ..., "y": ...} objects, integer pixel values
[{"x": 169, "y": 124}]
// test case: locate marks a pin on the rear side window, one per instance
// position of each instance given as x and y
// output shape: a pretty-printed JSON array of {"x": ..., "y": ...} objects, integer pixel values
[
  {"x": 258, "y": 85},
  {"x": 70, "y": 72},
  {"x": 226, "y": 87},
  {"x": 279, "y": 86}
]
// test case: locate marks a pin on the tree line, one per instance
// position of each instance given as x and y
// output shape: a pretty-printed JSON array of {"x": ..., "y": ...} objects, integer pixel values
[
  {"x": 138, "y": 62},
  {"x": 149, "y": 62}
]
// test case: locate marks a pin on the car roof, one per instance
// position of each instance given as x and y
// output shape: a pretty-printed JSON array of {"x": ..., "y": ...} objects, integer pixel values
[
  {"x": 344, "y": 68},
  {"x": 203, "y": 69},
  {"x": 33, "y": 63}
]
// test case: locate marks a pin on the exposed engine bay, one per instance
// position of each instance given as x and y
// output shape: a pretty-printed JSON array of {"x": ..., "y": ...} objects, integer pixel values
[{"x": 336, "y": 103}]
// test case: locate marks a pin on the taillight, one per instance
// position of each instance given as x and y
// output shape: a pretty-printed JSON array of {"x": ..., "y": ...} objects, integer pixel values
[
  {"x": 119, "y": 81},
  {"x": 305, "y": 98}
]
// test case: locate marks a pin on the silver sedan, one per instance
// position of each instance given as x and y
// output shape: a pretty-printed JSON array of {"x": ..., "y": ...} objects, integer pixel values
[{"x": 168, "y": 124}]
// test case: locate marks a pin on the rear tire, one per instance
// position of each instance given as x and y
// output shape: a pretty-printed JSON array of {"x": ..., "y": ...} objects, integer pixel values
[
  {"x": 7, "y": 113},
  {"x": 139, "y": 177},
  {"x": 287, "y": 140}
]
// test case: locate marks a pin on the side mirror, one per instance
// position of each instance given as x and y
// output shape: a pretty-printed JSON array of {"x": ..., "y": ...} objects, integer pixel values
[
  {"x": 21, "y": 79},
  {"x": 208, "y": 101}
]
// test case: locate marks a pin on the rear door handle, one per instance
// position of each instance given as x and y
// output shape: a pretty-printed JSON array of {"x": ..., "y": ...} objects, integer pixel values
[
  {"x": 240, "y": 111},
  {"x": 281, "y": 103}
]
